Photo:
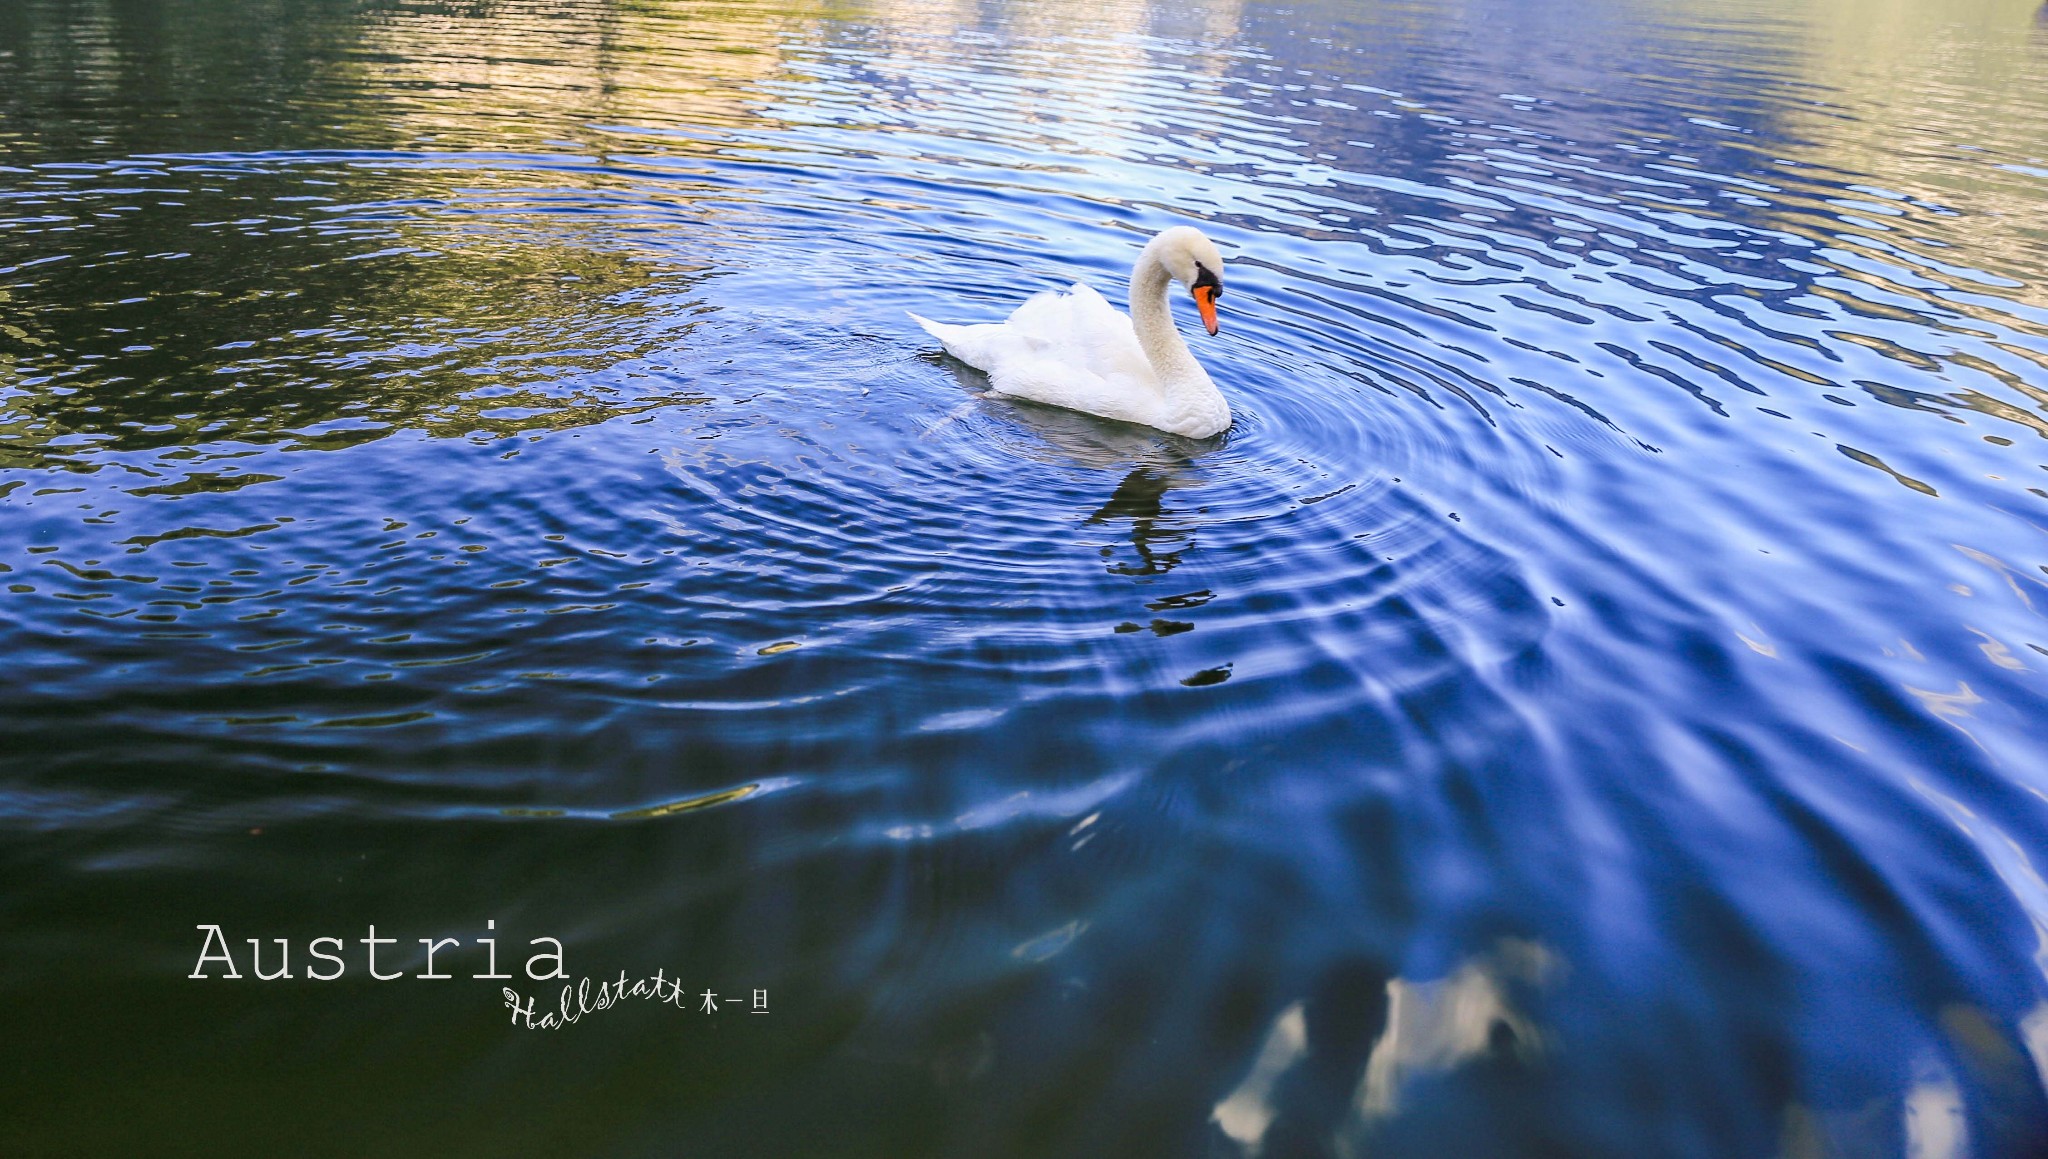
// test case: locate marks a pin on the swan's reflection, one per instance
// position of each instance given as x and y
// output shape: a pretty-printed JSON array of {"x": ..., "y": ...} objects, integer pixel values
[
  {"x": 1156, "y": 464},
  {"x": 1158, "y": 534}
]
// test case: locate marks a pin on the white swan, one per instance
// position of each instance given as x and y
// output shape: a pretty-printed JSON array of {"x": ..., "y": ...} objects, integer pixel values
[{"x": 1073, "y": 349}]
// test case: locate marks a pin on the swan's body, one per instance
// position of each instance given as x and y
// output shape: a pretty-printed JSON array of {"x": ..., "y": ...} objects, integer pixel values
[{"x": 1073, "y": 349}]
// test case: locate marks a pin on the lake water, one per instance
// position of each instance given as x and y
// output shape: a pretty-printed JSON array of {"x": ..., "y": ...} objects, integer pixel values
[{"x": 468, "y": 463}]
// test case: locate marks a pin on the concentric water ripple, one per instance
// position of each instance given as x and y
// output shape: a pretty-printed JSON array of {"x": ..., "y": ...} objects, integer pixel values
[{"x": 473, "y": 460}]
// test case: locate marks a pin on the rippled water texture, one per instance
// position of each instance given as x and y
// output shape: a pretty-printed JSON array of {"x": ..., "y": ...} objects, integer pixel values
[{"x": 468, "y": 462}]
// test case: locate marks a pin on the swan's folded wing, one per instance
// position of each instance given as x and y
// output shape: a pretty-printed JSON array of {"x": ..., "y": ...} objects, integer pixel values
[
  {"x": 1038, "y": 331},
  {"x": 1079, "y": 328},
  {"x": 1066, "y": 348}
]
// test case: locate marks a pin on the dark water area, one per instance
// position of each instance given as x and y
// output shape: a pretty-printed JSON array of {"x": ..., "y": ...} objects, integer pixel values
[{"x": 468, "y": 463}]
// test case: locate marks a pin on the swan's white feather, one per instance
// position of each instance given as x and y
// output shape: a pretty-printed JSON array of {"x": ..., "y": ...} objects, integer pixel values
[
  {"x": 1071, "y": 348},
  {"x": 1067, "y": 348}
]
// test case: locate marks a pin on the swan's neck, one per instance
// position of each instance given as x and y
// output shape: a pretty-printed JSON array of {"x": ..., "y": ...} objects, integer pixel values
[{"x": 1152, "y": 318}]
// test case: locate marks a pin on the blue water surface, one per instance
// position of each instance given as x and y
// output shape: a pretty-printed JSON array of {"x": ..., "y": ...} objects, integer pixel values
[{"x": 469, "y": 462}]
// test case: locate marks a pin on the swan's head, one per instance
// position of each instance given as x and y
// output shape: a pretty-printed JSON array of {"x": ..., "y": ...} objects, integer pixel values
[{"x": 1194, "y": 262}]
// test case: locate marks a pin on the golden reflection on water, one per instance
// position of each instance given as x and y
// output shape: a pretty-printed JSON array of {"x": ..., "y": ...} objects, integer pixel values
[
  {"x": 1946, "y": 100},
  {"x": 542, "y": 64},
  {"x": 546, "y": 71}
]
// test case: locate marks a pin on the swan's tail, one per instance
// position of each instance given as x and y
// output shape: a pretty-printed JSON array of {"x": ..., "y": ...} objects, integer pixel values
[
  {"x": 937, "y": 330},
  {"x": 965, "y": 343}
]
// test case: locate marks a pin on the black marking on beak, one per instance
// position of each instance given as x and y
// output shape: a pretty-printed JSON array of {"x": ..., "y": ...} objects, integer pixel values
[{"x": 1207, "y": 288}]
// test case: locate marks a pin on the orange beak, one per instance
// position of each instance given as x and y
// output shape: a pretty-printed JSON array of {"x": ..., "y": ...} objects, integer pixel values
[{"x": 1205, "y": 301}]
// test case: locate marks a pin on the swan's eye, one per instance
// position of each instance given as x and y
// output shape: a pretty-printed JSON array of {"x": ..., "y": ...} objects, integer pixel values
[{"x": 1205, "y": 278}]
